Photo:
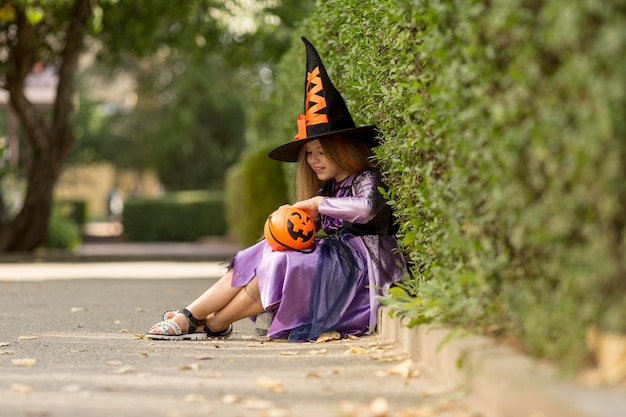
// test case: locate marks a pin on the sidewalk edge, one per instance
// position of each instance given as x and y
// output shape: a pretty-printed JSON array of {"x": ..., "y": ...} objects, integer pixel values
[{"x": 499, "y": 380}]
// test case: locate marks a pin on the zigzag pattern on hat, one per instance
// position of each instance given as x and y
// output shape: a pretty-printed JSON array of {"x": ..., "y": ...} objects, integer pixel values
[{"x": 313, "y": 115}]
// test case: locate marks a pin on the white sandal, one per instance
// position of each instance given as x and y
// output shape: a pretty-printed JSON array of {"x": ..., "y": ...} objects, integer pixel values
[{"x": 165, "y": 326}]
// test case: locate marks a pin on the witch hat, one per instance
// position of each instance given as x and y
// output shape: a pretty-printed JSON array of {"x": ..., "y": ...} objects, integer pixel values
[{"x": 325, "y": 113}]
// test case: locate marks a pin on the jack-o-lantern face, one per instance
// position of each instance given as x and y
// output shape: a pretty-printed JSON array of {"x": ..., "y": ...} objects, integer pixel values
[{"x": 289, "y": 228}]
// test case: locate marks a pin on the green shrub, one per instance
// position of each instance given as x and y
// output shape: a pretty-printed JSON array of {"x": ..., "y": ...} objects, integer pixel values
[
  {"x": 63, "y": 232},
  {"x": 77, "y": 209},
  {"x": 255, "y": 187},
  {"x": 181, "y": 216},
  {"x": 504, "y": 153}
]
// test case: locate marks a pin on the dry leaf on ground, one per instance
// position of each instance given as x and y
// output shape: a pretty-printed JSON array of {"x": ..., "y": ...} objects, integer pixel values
[
  {"x": 405, "y": 369},
  {"x": 357, "y": 350},
  {"x": 22, "y": 388},
  {"x": 127, "y": 369},
  {"x": 28, "y": 337},
  {"x": 194, "y": 398},
  {"x": 192, "y": 367},
  {"x": 24, "y": 362},
  {"x": 139, "y": 335},
  {"x": 77, "y": 309},
  {"x": 328, "y": 336},
  {"x": 214, "y": 375},
  {"x": 272, "y": 384},
  {"x": 203, "y": 357}
]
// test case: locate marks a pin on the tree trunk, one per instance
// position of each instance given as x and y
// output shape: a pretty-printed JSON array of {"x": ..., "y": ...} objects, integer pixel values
[
  {"x": 49, "y": 141},
  {"x": 29, "y": 229}
]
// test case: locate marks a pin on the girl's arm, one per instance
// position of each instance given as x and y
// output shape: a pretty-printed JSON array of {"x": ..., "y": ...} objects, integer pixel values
[{"x": 359, "y": 208}]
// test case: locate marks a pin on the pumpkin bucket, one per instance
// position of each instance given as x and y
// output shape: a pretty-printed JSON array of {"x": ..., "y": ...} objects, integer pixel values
[{"x": 289, "y": 228}]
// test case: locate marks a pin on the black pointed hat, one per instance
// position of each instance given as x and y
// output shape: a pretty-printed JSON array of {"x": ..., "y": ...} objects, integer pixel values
[{"x": 325, "y": 113}]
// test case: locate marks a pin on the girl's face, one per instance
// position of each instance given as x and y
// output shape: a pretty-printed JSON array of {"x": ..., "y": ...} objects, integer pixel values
[{"x": 323, "y": 166}]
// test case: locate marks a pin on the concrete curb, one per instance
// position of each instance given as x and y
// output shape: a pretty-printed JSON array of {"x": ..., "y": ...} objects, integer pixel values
[{"x": 499, "y": 380}]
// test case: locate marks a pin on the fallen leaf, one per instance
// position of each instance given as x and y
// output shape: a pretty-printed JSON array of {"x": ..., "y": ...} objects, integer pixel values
[
  {"x": 269, "y": 383},
  {"x": 356, "y": 350},
  {"x": 7, "y": 352},
  {"x": 24, "y": 362},
  {"x": 379, "y": 407},
  {"x": 230, "y": 399},
  {"x": 353, "y": 337},
  {"x": 405, "y": 369},
  {"x": 127, "y": 369},
  {"x": 214, "y": 375},
  {"x": 192, "y": 367},
  {"x": 139, "y": 335},
  {"x": 312, "y": 375},
  {"x": 203, "y": 357},
  {"x": 289, "y": 353},
  {"x": 2, "y": 344},
  {"x": 77, "y": 309},
  {"x": 396, "y": 358},
  {"x": 194, "y": 398},
  {"x": 256, "y": 403},
  {"x": 317, "y": 352},
  {"x": 22, "y": 389},
  {"x": 28, "y": 337},
  {"x": 328, "y": 336}
]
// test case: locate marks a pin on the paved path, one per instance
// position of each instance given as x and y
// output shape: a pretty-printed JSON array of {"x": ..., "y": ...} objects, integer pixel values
[{"x": 68, "y": 348}]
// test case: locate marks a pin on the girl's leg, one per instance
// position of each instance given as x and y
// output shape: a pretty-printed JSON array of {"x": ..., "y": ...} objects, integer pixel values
[
  {"x": 213, "y": 299},
  {"x": 246, "y": 303}
]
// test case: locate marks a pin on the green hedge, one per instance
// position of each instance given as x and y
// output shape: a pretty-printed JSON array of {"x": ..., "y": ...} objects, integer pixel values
[
  {"x": 63, "y": 231},
  {"x": 504, "y": 153},
  {"x": 182, "y": 216}
]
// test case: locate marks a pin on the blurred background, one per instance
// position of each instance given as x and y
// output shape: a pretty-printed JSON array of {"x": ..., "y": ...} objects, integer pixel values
[{"x": 169, "y": 102}]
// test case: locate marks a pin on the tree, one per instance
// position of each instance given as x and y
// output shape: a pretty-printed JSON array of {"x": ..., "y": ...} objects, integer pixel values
[
  {"x": 23, "y": 36},
  {"x": 55, "y": 32}
]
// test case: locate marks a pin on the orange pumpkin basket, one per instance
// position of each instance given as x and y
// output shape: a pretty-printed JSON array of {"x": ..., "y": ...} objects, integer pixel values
[{"x": 289, "y": 228}]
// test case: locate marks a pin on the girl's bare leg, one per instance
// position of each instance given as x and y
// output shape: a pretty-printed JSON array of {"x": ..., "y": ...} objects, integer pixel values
[
  {"x": 246, "y": 303},
  {"x": 216, "y": 298}
]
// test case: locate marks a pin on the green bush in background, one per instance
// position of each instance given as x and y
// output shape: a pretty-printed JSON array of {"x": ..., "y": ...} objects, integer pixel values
[
  {"x": 182, "y": 216},
  {"x": 255, "y": 187},
  {"x": 504, "y": 152},
  {"x": 63, "y": 232},
  {"x": 77, "y": 211}
]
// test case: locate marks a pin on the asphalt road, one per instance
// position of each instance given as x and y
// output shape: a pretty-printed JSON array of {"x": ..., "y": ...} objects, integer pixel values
[{"x": 73, "y": 348}]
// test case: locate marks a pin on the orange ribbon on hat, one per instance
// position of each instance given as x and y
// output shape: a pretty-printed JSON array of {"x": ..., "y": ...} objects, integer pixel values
[{"x": 311, "y": 117}]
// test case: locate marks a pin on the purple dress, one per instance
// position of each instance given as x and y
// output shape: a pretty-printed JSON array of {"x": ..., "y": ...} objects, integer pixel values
[{"x": 334, "y": 287}]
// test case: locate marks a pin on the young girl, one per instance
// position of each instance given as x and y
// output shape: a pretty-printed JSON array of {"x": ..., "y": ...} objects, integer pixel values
[{"x": 334, "y": 287}]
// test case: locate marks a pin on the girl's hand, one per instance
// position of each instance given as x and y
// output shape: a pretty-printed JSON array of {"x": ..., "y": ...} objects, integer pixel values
[{"x": 311, "y": 205}]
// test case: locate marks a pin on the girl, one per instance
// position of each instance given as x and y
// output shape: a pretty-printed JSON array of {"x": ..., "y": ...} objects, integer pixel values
[{"x": 334, "y": 287}]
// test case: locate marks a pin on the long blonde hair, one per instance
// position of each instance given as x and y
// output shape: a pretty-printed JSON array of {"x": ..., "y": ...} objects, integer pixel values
[{"x": 349, "y": 153}]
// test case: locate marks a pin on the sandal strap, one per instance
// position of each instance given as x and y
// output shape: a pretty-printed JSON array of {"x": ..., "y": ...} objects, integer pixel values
[
  {"x": 164, "y": 326},
  {"x": 222, "y": 334},
  {"x": 194, "y": 323}
]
